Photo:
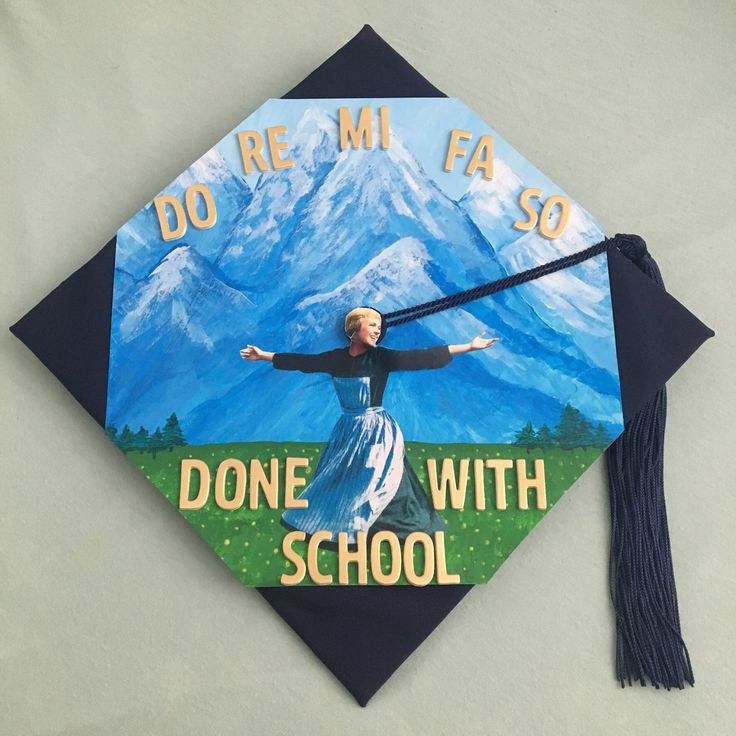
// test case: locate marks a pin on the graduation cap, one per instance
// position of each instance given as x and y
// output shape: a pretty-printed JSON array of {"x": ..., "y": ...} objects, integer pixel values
[{"x": 589, "y": 336}]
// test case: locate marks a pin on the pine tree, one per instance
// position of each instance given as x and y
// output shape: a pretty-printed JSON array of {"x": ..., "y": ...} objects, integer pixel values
[
  {"x": 112, "y": 433},
  {"x": 126, "y": 439},
  {"x": 569, "y": 434},
  {"x": 600, "y": 436},
  {"x": 526, "y": 437},
  {"x": 585, "y": 433},
  {"x": 141, "y": 440},
  {"x": 157, "y": 442},
  {"x": 173, "y": 436},
  {"x": 545, "y": 438}
]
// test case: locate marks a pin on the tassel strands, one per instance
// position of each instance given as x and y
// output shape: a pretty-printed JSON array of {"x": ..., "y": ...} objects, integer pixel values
[{"x": 649, "y": 645}]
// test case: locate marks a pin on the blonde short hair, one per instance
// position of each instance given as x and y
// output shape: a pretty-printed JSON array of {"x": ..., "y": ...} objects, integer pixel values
[{"x": 353, "y": 317}]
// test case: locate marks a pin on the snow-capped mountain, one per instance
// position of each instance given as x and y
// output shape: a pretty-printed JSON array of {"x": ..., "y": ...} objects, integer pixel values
[
  {"x": 140, "y": 245},
  {"x": 493, "y": 205},
  {"x": 260, "y": 231},
  {"x": 575, "y": 300},
  {"x": 338, "y": 230},
  {"x": 172, "y": 339},
  {"x": 370, "y": 199}
]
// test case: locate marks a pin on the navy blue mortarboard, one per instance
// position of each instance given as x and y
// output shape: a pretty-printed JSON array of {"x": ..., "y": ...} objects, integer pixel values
[{"x": 363, "y": 634}]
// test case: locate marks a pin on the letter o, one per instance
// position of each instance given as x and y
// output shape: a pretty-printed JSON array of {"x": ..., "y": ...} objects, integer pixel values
[
  {"x": 240, "y": 475},
  {"x": 426, "y": 541},
  {"x": 391, "y": 577},
  {"x": 547, "y": 210},
  {"x": 209, "y": 203}
]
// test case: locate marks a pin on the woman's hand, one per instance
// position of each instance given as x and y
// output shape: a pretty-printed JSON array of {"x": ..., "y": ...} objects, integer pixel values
[
  {"x": 477, "y": 343},
  {"x": 251, "y": 352},
  {"x": 481, "y": 343}
]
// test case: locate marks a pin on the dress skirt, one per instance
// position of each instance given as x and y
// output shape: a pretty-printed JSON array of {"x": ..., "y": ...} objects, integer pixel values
[{"x": 363, "y": 480}]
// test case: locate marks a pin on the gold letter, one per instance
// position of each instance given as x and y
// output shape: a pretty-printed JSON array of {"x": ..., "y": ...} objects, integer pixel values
[
  {"x": 275, "y": 147},
  {"x": 383, "y": 114},
  {"x": 525, "y": 483},
  {"x": 301, "y": 569},
  {"x": 240, "y": 475},
  {"x": 344, "y": 558},
  {"x": 181, "y": 219},
  {"x": 204, "y": 484},
  {"x": 348, "y": 130},
  {"x": 292, "y": 482},
  {"x": 248, "y": 154},
  {"x": 379, "y": 575},
  {"x": 480, "y": 485},
  {"x": 485, "y": 145},
  {"x": 454, "y": 150},
  {"x": 209, "y": 203},
  {"x": 499, "y": 477},
  {"x": 426, "y": 541},
  {"x": 443, "y": 577},
  {"x": 312, "y": 557},
  {"x": 258, "y": 480},
  {"x": 457, "y": 490},
  {"x": 531, "y": 223},
  {"x": 564, "y": 217}
]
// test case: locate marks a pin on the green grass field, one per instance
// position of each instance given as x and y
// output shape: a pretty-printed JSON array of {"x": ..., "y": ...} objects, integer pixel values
[{"x": 477, "y": 542}]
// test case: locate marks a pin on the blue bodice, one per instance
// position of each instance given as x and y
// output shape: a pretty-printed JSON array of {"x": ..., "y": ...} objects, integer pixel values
[{"x": 354, "y": 394}]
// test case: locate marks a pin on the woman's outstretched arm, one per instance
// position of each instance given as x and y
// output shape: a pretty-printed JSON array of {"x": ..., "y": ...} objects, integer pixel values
[
  {"x": 435, "y": 357},
  {"x": 306, "y": 363}
]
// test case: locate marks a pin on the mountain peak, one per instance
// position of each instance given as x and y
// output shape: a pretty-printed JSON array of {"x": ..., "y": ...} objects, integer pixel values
[
  {"x": 179, "y": 257},
  {"x": 315, "y": 119},
  {"x": 394, "y": 272},
  {"x": 504, "y": 183},
  {"x": 181, "y": 263},
  {"x": 208, "y": 169}
]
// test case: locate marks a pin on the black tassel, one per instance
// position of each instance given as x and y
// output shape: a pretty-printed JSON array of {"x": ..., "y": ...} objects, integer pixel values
[{"x": 649, "y": 644}]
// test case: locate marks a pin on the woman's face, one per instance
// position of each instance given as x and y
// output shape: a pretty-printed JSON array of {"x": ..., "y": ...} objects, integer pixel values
[{"x": 368, "y": 332}]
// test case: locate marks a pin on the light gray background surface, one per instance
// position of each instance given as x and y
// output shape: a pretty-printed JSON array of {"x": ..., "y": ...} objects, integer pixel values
[{"x": 114, "y": 617}]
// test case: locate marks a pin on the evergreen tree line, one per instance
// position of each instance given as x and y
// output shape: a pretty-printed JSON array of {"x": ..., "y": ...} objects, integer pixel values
[
  {"x": 143, "y": 441},
  {"x": 573, "y": 430}
]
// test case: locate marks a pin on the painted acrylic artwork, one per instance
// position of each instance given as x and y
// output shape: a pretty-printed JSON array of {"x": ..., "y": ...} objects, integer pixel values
[{"x": 253, "y": 381}]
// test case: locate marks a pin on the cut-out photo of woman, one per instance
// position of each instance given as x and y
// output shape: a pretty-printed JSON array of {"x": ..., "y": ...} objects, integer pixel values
[{"x": 363, "y": 480}]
